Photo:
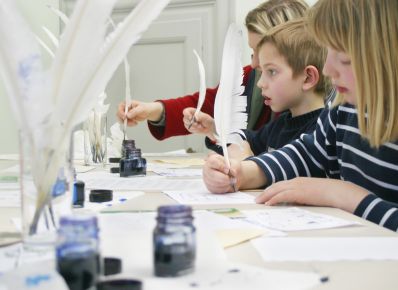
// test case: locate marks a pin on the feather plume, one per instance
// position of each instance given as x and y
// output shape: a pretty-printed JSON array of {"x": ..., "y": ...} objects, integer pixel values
[
  {"x": 60, "y": 14},
  {"x": 45, "y": 46},
  {"x": 202, "y": 87},
  {"x": 20, "y": 66},
  {"x": 51, "y": 36},
  {"x": 230, "y": 105},
  {"x": 127, "y": 100}
]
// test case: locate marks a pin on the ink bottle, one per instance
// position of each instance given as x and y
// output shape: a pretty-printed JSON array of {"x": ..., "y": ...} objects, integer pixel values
[
  {"x": 77, "y": 251},
  {"x": 174, "y": 241},
  {"x": 131, "y": 163}
]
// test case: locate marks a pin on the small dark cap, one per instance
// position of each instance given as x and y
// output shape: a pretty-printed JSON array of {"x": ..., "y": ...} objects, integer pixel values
[
  {"x": 120, "y": 284},
  {"x": 101, "y": 195},
  {"x": 114, "y": 159},
  {"x": 115, "y": 170},
  {"x": 112, "y": 266}
]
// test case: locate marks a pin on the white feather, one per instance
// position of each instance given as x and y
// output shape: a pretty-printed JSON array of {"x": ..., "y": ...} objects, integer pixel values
[
  {"x": 202, "y": 79},
  {"x": 51, "y": 36},
  {"x": 20, "y": 67},
  {"x": 60, "y": 14},
  {"x": 45, "y": 46},
  {"x": 230, "y": 105}
]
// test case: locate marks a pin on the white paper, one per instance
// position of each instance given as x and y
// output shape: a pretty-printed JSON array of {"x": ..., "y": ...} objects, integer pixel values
[
  {"x": 151, "y": 166},
  {"x": 118, "y": 198},
  {"x": 202, "y": 196},
  {"x": 99, "y": 180},
  {"x": 181, "y": 152},
  {"x": 12, "y": 157},
  {"x": 240, "y": 276},
  {"x": 10, "y": 198},
  {"x": 294, "y": 219},
  {"x": 187, "y": 172},
  {"x": 326, "y": 249}
]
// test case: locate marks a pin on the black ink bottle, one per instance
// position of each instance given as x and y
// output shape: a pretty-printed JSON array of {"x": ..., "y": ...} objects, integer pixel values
[
  {"x": 174, "y": 241},
  {"x": 77, "y": 251},
  {"x": 131, "y": 163}
]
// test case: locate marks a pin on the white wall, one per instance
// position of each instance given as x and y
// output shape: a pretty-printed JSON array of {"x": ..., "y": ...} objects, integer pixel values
[{"x": 36, "y": 14}]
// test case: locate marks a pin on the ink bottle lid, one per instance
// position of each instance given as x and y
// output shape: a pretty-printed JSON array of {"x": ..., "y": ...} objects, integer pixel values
[
  {"x": 174, "y": 241},
  {"x": 120, "y": 284},
  {"x": 77, "y": 251},
  {"x": 101, "y": 195},
  {"x": 131, "y": 163}
]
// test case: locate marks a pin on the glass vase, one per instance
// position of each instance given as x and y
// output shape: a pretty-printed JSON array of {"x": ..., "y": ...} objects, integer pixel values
[
  {"x": 95, "y": 139},
  {"x": 46, "y": 177}
]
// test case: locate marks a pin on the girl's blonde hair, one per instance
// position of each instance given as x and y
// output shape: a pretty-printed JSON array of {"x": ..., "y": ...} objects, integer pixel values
[
  {"x": 368, "y": 32},
  {"x": 274, "y": 12}
]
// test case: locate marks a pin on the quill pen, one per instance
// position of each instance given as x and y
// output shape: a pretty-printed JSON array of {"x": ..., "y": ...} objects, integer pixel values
[
  {"x": 202, "y": 88},
  {"x": 127, "y": 84},
  {"x": 230, "y": 105}
]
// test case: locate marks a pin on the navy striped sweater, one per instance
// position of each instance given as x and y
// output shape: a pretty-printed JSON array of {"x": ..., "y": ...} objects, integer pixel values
[{"x": 337, "y": 150}]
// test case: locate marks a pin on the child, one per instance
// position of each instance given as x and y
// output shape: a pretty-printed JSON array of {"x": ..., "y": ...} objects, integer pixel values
[
  {"x": 351, "y": 160},
  {"x": 291, "y": 63},
  {"x": 165, "y": 116}
]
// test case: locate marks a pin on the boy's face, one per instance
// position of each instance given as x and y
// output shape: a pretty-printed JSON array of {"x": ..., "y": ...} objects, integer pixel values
[
  {"x": 278, "y": 87},
  {"x": 338, "y": 68}
]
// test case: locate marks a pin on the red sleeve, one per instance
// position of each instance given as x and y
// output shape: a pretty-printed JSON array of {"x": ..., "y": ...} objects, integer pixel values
[{"x": 174, "y": 107}]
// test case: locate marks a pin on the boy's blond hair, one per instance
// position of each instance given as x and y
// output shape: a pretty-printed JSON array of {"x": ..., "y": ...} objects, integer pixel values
[
  {"x": 274, "y": 12},
  {"x": 292, "y": 41},
  {"x": 368, "y": 32}
]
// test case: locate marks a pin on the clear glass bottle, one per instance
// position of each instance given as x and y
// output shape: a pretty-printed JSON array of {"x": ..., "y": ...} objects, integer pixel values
[
  {"x": 174, "y": 241},
  {"x": 77, "y": 251},
  {"x": 131, "y": 163}
]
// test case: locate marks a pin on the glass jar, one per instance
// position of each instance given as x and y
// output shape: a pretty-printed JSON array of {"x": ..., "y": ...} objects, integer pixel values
[
  {"x": 77, "y": 251},
  {"x": 131, "y": 163},
  {"x": 95, "y": 139},
  {"x": 174, "y": 241},
  {"x": 46, "y": 194}
]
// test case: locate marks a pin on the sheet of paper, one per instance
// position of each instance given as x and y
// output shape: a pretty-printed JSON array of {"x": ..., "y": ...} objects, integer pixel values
[
  {"x": 180, "y": 152},
  {"x": 162, "y": 166},
  {"x": 186, "y": 172},
  {"x": 12, "y": 157},
  {"x": 118, "y": 197},
  {"x": 294, "y": 219},
  {"x": 240, "y": 276},
  {"x": 14, "y": 170},
  {"x": 327, "y": 249},
  {"x": 202, "y": 196},
  {"x": 10, "y": 198},
  {"x": 182, "y": 161},
  {"x": 101, "y": 180}
]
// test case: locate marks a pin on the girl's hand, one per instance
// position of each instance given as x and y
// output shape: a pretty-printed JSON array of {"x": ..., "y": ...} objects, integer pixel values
[{"x": 314, "y": 191}]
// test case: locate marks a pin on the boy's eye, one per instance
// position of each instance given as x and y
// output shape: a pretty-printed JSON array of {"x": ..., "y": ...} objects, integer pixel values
[{"x": 271, "y": 72}]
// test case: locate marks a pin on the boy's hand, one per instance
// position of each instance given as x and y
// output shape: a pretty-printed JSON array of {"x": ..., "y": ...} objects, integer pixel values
[
  {"x": 140, "y": 111},
  {"x": 314, "y": 191},
  {"x": 202, "y": 124}
]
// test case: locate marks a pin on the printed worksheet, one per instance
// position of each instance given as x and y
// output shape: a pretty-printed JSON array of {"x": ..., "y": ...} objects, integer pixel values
[{"x": 294, "y": 219}]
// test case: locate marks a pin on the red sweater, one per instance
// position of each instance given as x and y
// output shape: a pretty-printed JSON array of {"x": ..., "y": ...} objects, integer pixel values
[{"x": 174, "y": 126}]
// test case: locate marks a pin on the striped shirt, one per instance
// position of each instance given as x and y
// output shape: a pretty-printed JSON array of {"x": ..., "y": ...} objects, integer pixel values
[{"x": 337, "y": 150}]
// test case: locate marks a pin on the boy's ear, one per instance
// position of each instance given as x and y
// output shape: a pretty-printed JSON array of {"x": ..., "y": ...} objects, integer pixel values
[{"x": 311, "y": 77}]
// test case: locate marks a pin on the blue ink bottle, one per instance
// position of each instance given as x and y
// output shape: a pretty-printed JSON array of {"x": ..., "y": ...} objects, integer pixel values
[
  {"x": 131, "y": 163},
  {"x": 174, "y": 241},
  {"x": 77, "y": 251}
]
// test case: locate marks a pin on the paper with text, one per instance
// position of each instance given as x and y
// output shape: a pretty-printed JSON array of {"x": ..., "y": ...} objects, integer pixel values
[{"x": 294, "y": 219}]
